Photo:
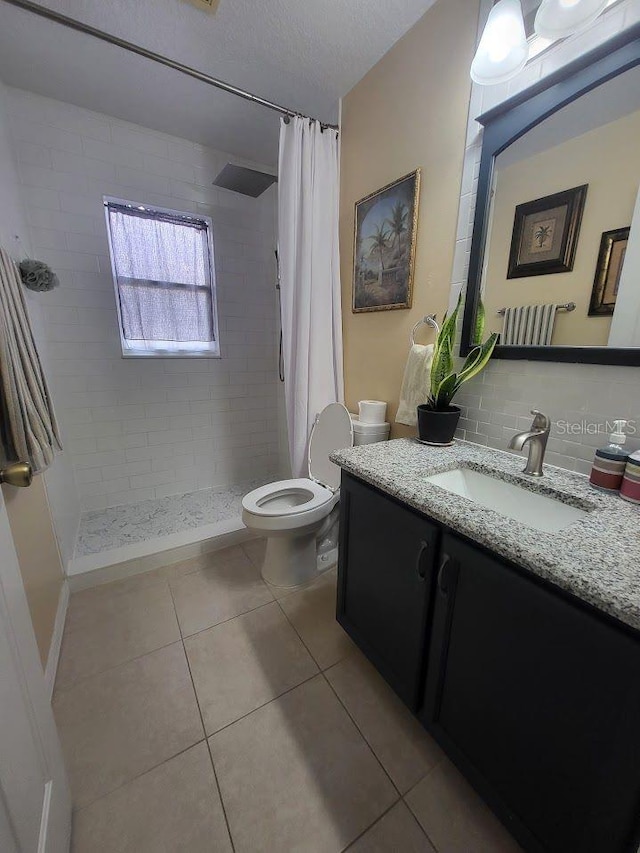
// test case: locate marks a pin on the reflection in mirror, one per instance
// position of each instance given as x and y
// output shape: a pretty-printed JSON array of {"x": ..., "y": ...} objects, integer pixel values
[{"x": 562, "y": 258}]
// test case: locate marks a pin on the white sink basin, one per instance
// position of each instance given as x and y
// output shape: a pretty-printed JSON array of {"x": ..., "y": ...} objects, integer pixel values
[{"x": 534, "y": 510}]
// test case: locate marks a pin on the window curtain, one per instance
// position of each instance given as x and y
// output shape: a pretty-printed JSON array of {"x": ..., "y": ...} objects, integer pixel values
[
  {"x": 29, "y": 431},
  {"x": 164, "y": 276},
  {"x": 310, "y": 278}
]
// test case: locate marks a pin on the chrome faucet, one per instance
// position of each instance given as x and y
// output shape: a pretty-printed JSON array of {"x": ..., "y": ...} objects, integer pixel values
[{"x": 536, "y": 438}]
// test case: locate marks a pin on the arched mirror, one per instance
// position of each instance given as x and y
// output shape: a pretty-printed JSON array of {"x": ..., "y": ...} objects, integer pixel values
[{"x": 555, "y": 259}]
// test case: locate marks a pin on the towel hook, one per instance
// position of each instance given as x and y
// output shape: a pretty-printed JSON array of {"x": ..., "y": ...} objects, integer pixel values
[{"x": 428, "y": 320}]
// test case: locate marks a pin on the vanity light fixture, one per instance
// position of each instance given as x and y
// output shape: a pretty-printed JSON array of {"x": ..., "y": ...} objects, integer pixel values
[
  {"x": 503, "y": 50},
  {"x": 558, "y": 19}
]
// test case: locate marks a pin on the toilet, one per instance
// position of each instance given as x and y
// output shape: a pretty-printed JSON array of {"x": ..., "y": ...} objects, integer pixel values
[{"x": 294, "y": 514}]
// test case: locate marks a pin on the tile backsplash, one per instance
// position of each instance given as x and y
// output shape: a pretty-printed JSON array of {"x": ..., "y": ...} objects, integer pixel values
[{"x": 581, "y": 399}]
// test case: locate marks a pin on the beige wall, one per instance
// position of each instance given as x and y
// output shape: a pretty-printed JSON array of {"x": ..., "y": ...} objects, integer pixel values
[
  {"x": 608, "y": 160},
  {"x": 35, "y": 543},
  {"x": 410, "y": 110}
]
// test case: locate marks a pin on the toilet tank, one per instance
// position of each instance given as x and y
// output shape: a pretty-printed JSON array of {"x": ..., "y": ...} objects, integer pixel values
[{"x": 364, "y": 433}]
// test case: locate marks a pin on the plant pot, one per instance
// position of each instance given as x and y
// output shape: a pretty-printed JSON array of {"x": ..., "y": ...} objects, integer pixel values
[{"x": 437, "y": 427}]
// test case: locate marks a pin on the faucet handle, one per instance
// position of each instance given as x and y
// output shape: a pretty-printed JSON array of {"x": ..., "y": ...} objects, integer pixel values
[{"x": 540, "y": 421}]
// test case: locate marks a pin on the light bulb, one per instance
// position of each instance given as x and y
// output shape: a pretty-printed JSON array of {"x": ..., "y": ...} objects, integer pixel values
[
  {"x": 558, "y": 19},
  {"x": 503, "y": 48}
]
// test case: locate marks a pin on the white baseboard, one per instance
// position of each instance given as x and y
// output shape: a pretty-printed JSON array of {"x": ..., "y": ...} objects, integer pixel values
[{"x": 56, "y": 639}]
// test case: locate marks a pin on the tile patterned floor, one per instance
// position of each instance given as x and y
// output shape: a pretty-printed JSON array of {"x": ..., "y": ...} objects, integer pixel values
[
  {"x": 202, "y": 711},
  {"x": 114, "y": 527}
]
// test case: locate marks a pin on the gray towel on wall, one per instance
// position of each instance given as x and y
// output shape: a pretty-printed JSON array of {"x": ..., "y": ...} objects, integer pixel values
[
  {"x": 29, "y": 429},
  {"x": 528, "y": 325}
]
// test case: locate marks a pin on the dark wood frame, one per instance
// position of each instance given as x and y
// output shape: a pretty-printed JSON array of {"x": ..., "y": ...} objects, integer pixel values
[
  {"x": 597, "y": 307},
  {"x": 503, "y": 126},
  {"x": 574, "y": 200},
  {"x": 413, "y": 225}
]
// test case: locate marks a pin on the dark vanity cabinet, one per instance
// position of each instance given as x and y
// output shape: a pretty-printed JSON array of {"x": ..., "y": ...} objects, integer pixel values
[
  {"x": 384, "y": 594},
  {"x": 534, "y": 694}
]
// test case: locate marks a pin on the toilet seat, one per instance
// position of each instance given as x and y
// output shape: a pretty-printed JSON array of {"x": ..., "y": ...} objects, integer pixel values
[
  {"x": 266, "y": 508},
  {"x": 286, "y": 497},
  {"x": 297, "y": 500}
]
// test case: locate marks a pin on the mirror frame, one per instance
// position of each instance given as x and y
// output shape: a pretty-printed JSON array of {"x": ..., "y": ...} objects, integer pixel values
[{"x": 503, "y": 126}]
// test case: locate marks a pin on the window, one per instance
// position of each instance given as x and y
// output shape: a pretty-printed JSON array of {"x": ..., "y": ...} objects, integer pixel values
[{"x": 164, "y": 277}]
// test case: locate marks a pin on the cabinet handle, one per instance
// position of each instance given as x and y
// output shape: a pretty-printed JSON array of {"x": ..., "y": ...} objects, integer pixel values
[
  {"x": 424, "y": 547},
  {"x": 446, "y": 559}
]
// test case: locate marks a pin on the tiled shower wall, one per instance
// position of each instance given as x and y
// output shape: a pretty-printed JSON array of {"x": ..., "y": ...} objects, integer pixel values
[
  {"x": 581, "y": 399},
  {"x": 145, "y": 428}
]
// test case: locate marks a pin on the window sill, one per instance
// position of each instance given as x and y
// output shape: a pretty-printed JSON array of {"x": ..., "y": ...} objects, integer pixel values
[{"x": 159, "y": 353}]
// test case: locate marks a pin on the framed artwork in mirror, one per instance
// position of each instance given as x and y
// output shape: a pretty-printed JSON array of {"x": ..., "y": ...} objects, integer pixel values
[
  {"x": 613, "y": 247},
  {"x": 545, "y": 234},
  {"x": 385, "y": 246}
]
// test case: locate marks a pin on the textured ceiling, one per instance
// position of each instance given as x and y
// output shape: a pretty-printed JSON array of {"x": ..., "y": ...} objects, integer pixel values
[{"x": 300, "y": 53}]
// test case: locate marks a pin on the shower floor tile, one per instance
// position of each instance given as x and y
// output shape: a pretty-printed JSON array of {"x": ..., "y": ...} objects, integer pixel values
[{"x": 118, "y": 526}]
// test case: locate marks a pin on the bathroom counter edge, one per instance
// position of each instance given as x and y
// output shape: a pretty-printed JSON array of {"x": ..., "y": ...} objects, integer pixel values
[{"x": 596, "y": 558}]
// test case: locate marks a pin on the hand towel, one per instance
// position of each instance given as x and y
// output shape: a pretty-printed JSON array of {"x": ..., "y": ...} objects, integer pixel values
[
  {"x": 528, "y": 325},
  {"x": 415, "y": 384}
]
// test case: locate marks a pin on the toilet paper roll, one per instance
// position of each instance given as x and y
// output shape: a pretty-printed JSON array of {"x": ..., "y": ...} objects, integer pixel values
[{"x": 372, "y": 411}]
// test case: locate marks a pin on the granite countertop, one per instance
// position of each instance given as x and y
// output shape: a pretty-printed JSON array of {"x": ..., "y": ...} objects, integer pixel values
[{"x": 596, "y": 558}]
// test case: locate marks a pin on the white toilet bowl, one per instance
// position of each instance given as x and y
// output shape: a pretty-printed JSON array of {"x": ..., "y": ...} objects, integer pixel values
[{"x": 292, "y": 513}]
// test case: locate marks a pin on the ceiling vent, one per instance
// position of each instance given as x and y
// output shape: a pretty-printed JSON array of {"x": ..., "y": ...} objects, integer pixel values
[{"x": 207, "y": 5}]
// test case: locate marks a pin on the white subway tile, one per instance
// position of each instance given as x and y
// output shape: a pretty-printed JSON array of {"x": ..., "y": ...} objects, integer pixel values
[
  {"x": 168, "y": 168},
  {"x": 34, "y": 154},
  {"x": 93, "y": 502},
  {"x": 73, "y": 201},
  {"x": 99, "y": 460},
  {"x": 120, "y": 442},
  {"x": 180, "y": 487},
  {"x": 48, "y": 238},
  {"x": 129, "y": 496},
  {"x": 76, "y": 416},
  {"x": 138, "y": 138},
  {"x": 157, "y": 478},
  {"x": 88, "y": 475},
  {"x": 104, "y": 487},
  {"x": 140, "y": 181},
  {"x": 127, "y": 469},
  {"x": 117, "y": 154},
  {"x": 41, "y": 198},
  {"x": 144, "y": 414},
  {"x": 45, "y": 135}
]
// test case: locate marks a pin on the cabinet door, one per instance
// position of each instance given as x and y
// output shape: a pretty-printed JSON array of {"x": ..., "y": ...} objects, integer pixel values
[
  {"x": 537, "y": 698},
  {"x": 384, "y": 581}
]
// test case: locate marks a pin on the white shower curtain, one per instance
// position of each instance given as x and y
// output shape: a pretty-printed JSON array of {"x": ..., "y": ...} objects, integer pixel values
[{"x": 309, "y": 278}]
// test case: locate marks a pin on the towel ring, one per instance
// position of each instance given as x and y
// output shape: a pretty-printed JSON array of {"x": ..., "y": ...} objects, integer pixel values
[{"x": 429, "y": 320}]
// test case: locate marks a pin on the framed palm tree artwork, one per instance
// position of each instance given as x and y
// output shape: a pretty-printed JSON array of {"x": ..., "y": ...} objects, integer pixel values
[
  {"x": 385, "y": 246},
  {"x": 545, "y": 234}
]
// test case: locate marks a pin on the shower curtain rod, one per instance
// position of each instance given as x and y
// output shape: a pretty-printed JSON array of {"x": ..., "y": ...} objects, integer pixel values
[{"x": 74, "y": 24}]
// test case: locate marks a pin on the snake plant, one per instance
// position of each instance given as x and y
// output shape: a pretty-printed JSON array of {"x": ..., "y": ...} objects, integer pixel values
[{"x": 445, "y": 382}]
